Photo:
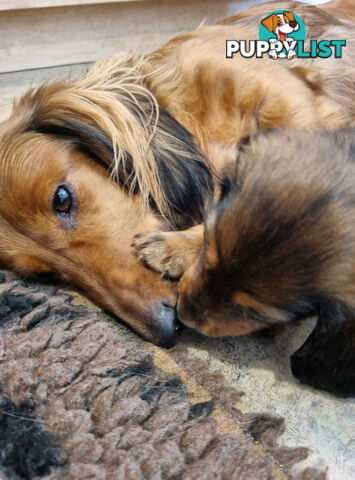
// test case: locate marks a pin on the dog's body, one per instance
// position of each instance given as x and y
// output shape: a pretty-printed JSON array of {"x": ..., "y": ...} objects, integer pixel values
[
  {"x": 224, "y": 101},
  {"x": 153, "y": 122},
  {"x": 278, "y": 246}
]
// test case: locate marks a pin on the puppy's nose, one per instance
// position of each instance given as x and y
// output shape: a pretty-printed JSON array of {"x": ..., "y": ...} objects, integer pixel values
[
  {"x": 168, "y": 326},
  {"x": 293, "y": 24}
]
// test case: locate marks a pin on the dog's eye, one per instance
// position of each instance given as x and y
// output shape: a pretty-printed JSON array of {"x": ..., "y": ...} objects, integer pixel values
[
  {"x": 62, "y": 200},
  {"x": 279, "y": 22}
]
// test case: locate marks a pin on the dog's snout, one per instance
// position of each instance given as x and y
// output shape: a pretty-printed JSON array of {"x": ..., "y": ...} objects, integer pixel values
[
  {"x": 293, "y": 24},
  {"x": 168, "y": 326}
]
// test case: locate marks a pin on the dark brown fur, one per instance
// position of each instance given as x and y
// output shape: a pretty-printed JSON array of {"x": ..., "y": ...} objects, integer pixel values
[{"x": 278, "y": 246}]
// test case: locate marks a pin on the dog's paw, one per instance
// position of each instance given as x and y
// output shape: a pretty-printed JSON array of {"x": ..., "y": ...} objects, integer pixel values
[
  {"x": 273, "y": 54},
  {"x": 291, "y": 54},
  {"x": 156, "y": 250}
]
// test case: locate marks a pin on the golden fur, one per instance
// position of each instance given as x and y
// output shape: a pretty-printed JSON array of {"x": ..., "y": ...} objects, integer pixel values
[{"x": 151, "y": 122}]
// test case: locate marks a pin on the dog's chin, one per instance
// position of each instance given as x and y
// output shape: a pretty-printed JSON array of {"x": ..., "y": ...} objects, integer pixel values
[
  {"x": 182, "y": 314},
  {"x": 188, "y": 317}
]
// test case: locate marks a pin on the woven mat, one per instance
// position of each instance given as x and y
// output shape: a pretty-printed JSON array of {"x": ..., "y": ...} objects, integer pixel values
[{"x": 82, "y": 397}]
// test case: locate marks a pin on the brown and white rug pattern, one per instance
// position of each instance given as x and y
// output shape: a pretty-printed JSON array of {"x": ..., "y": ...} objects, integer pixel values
[{"x": 81, "y": 397}]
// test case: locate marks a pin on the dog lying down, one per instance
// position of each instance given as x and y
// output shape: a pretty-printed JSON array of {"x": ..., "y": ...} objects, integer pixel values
[{"x": 279, "y": 245}]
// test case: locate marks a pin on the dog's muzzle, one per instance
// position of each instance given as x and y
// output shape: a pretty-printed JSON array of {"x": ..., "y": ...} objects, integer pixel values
[{"x": 168, "y": 326}]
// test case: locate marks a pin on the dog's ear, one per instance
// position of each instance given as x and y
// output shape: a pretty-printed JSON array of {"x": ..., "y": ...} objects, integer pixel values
[
  {"x": 327, "y": 358},
  {"x": 91, "y": 141},
  {"x": 289, "y": 16},
  {"x": 161, "y": 161},
  {"x": 269, "y": 22},
  {"x": 84, "y": 136},
  {"x": 184, "y": 172}
]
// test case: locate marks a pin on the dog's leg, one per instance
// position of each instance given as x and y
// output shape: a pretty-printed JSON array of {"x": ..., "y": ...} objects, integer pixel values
[
  {"x": 272, "y": 51},
  {"x": 273, "y": 54},
  {"x": 169, "y": 253},
  {"x": 327, "y": 358}
]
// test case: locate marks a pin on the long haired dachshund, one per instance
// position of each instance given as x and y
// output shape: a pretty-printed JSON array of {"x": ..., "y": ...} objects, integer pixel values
[
  {"x": 278, "y": 246},
  {"x": 86, "y": 164}
]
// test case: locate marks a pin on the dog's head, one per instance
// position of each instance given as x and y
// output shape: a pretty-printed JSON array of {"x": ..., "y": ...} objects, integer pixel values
[
  {"x": 281, "y": 24},
  {"x": 258, "y": 241},
  {"x": 239, "y": 283},
  {"x": 84, "y": 166},
  {"x": 279, "y": 246}
]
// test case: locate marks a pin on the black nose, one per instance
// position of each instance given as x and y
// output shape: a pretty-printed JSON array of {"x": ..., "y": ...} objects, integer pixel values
[
  {"x": 293, "y": 24},
  {"x": 168, "y": 326}
]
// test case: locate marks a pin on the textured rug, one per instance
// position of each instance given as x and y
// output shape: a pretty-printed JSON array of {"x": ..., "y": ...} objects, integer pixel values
[{"x": 82, "y": 397}]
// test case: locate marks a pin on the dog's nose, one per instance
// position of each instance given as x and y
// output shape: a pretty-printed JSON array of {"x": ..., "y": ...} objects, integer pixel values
[
  {"x": 168, "y": 326},
  {"x": 293, "y": 24}
]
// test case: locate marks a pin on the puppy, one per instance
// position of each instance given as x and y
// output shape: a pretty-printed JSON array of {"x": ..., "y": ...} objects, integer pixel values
[
  {"x": 281, "y": 24},
  {"x": 278, "y": 246}
]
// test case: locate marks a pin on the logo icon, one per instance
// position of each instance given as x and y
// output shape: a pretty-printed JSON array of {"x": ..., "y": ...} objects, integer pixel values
[
  {"x": 282, "y": 34},
  {"x": 282, "y": 26}
]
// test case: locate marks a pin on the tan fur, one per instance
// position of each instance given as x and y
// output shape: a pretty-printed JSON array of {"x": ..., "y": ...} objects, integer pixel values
[
  {"x": 170, "y": 253},
  {"x": 222, "y": 101},
  {"x": 343, "y": 7}
]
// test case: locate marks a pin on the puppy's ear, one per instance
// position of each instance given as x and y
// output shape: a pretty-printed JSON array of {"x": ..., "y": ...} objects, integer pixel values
[
  {"x": 269, "y": 22},
  {"x": 289, "y": 16},
  {"x": 327, "y": 358}
]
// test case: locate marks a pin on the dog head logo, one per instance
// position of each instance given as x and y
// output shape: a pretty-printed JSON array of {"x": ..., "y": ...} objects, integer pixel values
[{"x": 282, "y": 26}]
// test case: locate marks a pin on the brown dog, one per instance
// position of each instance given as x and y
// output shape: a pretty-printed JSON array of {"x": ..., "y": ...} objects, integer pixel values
[
  {"x": 278, "y": 246},
  {"x": 132, "y": 116}
]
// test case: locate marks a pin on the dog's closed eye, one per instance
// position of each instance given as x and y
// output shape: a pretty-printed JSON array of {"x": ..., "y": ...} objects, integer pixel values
[{"x": 225, "y": 186}]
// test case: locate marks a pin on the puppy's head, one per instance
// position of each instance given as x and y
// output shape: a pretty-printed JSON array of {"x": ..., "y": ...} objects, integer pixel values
[
  {"x": 280, "y": 246},
  {"x": 272, "y": 241},
  {"x": 283, "y": 23},
  {"x": 231, "y": 288}
]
